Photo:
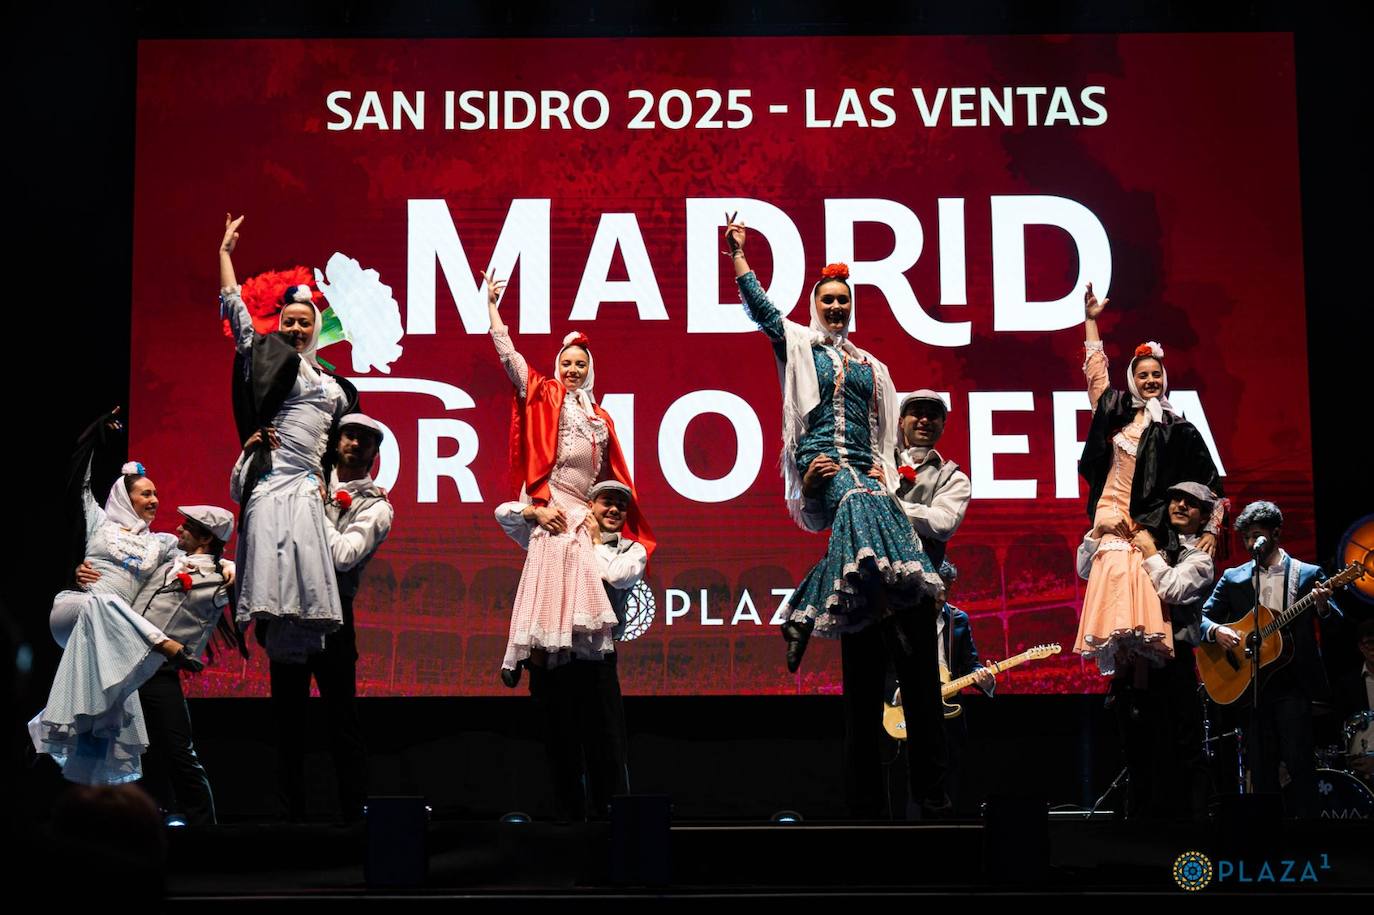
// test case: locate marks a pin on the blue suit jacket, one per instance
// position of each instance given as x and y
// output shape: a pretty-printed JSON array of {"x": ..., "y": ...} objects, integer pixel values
[
  {"x": 960, "y": 653},
  {"x": 1234, "y": 597}
]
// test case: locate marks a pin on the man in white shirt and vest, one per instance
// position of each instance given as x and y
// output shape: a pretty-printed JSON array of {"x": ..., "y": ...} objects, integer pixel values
[
  {"x": 580, "y": 701},
  {"x": 1161, "y": 721},
  {"x": 360, "y": 518}
]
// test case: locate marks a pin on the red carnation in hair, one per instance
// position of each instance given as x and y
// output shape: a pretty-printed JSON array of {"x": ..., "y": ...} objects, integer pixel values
[
  {"x": 1143, "y": 350},
  {"x": 580, "y": 339},
  {"x": 835, "y": 272},
  {"x": 263, "y": 294}
]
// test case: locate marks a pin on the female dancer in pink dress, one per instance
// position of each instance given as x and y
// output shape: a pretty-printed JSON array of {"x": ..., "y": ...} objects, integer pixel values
[
  {"x": 562, "y": 444},
  {"x": 1138, "y": 446}
]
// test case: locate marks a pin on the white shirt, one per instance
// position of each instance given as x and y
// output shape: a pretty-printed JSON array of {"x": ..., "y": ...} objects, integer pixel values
[
  {"x": 355, "y": 534},
  {"x": 1272, "y": 583},
  {"x": 942, "y": 517},
  {"x": 940, "y": 639}
]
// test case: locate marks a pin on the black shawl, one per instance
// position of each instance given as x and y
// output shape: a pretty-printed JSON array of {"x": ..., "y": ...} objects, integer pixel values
[{"x": 1171, "y": 451}]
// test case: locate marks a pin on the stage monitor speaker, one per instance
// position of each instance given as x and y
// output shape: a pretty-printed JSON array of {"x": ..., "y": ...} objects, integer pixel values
[
  {"x": 1016, "y": 839},
  {"x": 641, "y": 839},
  {"x": 396, "y": 853}
]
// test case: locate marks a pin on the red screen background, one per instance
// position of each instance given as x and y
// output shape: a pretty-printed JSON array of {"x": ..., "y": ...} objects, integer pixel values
[{"x": 1193, "y": 177}]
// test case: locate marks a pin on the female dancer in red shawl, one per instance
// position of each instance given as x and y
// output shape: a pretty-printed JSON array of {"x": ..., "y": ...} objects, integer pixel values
[{"x": 562, "y": 444}]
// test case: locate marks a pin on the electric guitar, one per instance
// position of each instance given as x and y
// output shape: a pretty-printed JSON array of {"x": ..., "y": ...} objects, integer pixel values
[
  {"x": 1226, "y": 672},
  {"x": 894, "y": 722}
]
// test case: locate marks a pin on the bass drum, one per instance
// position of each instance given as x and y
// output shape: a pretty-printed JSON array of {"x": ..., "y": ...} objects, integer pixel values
[{"x": 1342, "y": 796}]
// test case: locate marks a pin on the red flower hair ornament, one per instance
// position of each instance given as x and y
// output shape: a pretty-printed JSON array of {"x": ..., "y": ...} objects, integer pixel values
[
  {"x": 1151, "y": 350},
  {"x": 835, "y": 272},
  {"x": 265, "y": 295},
  {"x": 577, "y": 338}
]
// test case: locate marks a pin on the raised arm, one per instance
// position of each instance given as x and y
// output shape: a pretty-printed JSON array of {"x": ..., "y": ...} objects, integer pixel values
[
  {"x": 517, "y": 370},
  {"x": 226, "y": 249},
  {"x": 763, "y": 312},
  {"x": 231, "y": 307},
  {"x": 1095, "y": 360}
]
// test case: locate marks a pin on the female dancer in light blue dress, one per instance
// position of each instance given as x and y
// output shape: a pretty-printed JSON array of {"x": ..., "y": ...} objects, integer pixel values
[
  {"x": 873, "y": 587},
  {"x": 92, "y": 725}
]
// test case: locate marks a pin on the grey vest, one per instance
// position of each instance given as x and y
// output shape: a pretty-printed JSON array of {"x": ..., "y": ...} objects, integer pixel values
[{"x": 186, "y": 616}]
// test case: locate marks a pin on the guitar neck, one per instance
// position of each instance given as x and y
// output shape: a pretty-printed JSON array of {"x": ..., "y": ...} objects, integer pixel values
[
  {"x": 996, "y": 667},
  {"x": 1284, "y": 617}
]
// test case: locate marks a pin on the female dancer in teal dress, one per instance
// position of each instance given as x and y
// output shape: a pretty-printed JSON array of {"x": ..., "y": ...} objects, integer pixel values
[{"x": 873, "y": 587}]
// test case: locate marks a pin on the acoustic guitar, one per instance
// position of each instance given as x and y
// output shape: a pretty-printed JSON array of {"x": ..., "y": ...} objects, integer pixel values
[{"x": 1227, "y": 672}]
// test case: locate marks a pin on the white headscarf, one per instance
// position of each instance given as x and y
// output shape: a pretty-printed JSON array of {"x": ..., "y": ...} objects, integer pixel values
[
  {"x": 1154, "y": 406},
  {"x": 583, "y": 395},
  {"x": 801, "y": 393},
  {"x": 119, "y": 508},
  {"x": 310, "y": 364}
]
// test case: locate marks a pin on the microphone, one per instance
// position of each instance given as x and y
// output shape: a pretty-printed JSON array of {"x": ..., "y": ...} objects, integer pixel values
[{"x": 1260, "y": 547}]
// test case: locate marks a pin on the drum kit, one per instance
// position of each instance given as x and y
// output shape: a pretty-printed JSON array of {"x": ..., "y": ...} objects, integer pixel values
[
  {"x": 1345, "y": 771},
  {"x": 1345, "y": 774}
]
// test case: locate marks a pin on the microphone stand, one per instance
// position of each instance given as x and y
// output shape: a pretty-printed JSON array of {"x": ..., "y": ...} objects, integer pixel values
[{"x": 1256, "y": 642}]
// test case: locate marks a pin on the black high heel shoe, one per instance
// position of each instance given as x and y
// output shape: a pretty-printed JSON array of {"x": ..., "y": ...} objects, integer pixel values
[{"x": 511, "y": 678}]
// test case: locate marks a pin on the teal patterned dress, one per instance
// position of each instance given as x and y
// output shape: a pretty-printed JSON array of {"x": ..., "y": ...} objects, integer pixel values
[{"x": 869, "y": 535}]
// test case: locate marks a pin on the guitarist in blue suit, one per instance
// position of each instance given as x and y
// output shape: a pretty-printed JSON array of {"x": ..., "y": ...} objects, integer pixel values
[{"x": 1287, "y": 694}]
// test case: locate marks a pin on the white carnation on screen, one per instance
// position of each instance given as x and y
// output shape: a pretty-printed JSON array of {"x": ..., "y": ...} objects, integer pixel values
[{"x": 370, "y": 317}]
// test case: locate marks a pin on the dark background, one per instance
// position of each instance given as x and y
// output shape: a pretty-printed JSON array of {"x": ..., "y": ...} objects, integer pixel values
[{"x": 70, "y": 129}]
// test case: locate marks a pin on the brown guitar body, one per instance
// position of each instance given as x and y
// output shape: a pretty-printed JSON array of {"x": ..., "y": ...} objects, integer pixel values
[{"x": 1226, "y": 671}]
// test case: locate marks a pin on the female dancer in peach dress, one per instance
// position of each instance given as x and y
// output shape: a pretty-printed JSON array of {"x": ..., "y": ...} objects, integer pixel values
[{"x": 1138, "y": 446}]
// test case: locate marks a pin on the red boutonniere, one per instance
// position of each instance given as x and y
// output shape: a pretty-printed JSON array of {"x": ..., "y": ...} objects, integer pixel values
[
  {"x": 344, "y": 499},
  {"x": 184, "y": 578},
  {"x": 907, "y": 473}
]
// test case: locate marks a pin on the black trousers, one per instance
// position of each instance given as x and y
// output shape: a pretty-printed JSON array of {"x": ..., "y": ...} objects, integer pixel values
[
  {"x": 583, "y": 719},
  {"x": 907, "y": 638},
  {"x": 1286, "y": 734},
  {"x": 335, "y": 672},
  {"x": 172, "y": 772},
  {"x": 1161, "y": 737}
]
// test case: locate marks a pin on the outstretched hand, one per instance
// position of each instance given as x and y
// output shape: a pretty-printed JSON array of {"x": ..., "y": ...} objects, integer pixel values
[
  {"x": 113, "y": 424},
  {"x": 495, "y": 288},
  {"x": 1092, "y": 306},
  {"x": 734, "y": 233},
  {"x": 231, "y": 233}
]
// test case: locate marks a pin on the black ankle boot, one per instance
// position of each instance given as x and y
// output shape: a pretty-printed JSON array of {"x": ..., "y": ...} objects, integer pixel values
[{"x": 796, "y": 635}]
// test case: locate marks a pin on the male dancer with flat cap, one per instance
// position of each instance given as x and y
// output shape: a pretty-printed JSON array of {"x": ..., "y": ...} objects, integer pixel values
[
  {"x": 360, "y": 518},
  {"x": 584, "y": 715}
]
